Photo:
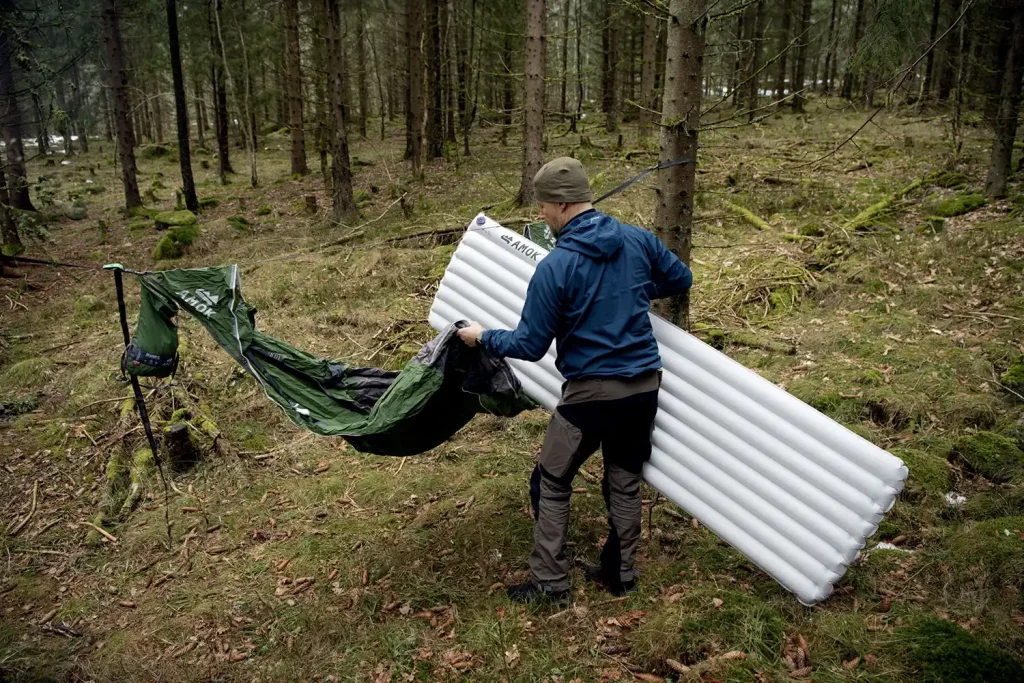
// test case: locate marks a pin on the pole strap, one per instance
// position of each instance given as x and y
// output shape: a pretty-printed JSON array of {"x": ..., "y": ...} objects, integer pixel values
[{"x": 643, "y": 174}]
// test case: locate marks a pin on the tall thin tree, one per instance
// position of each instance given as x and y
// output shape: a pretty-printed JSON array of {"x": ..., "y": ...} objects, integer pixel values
[
  {"x": 648, "y": 68},
  {"x": 414, "y": 106},
  {"x": 342, "y": 200},
  {"x": 533, "y": 98},
  {"x": 122, "y": 112},
  {"x": 1008, "y": 110},
  {"x": 293, "y": 85},
  {"x": 188, "y": 185},
  {"x": 220, "y": 95},
  {"x": 435, "y": 114},
  {"x": 680, "y": 119},
  {"x": 799, "y": 99},
  {"x": 10, "y": 115}
]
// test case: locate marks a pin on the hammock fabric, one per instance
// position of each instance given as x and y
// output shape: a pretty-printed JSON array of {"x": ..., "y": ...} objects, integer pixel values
[{"x": 377, "y": 411}]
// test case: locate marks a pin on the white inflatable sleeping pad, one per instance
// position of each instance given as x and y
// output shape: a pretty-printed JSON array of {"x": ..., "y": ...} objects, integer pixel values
[{"x": 792, "y": 490}]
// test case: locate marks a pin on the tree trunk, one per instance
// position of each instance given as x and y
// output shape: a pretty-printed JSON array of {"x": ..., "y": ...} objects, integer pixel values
[
  {"x": 244, "y": 113},
  {"x": 858, "y": 29},
  {"x": 364, "y": 92},
  {"x": 579, "y": 66},
  {"x": 43, "y": 136},
  {"x": 780, "y": 78},
  {"x": 680, "y": 119},
  {"x": 533, "y": 98},
  {"x": 432, "y": 46},
  {"x": 343, "y": 204},
  {"x": 10, "y": 120},
  {"x": 929, "y": 69},
  {"x": 751, "y": 75},
  {"x": 108, "y": 129},
  {"x": 461, "y": 52},
  {"x": 378, "y": 68},
  {"x": 740, "y": 50},
  {"x": 63, "y": 117},
  {"x": 609, "y": 66},
  {"x": 468, "y": 122},
  {"x": 188, "y": 185},
  {"x": 648, "y": 69},
  {"x": 293, "y": 86},
  {"x": 8, "y": 228},
  {"x": 450, "y": 74},
  {"x": 567, "y": 10},
  {"x": 122, "y": 114},
  {"x": 801, "y": 58},
  {"x": 80, "y": 110},
  {"x": 324, "y": 113},
  {"x": 1009, "y": 107},
  {"x": 220, "y": 96},
  {"x": 830, "y": 50},
  {"x": 197, "y": 97},
  {"x": 415, "y": 104},
  {"x": 508, "y": 101}
]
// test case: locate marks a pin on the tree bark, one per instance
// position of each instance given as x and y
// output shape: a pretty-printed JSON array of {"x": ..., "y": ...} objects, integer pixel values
[
  {"x": 450, "y": 73},
  {"x": 780, "y": 78},
  {"x": 80, "y": 108},
  {"x": 63, "y": 117},
  {"x": 508, "y": 100},
  {"x": 648, "y": 69},
  {"x": 1009, "y": 107},
  {"x": 293, "y": 86},
  {"x": 122, "y": 114},
  {"x": 751, "y": 75},
  {"x": 799, "y": 99},
  {"x": 414, "y": 103},
  {"x": 680, "y": 119},
  {"x": 609, "y": 67},
  {"x": 929, "y": 68},
  {"x": 567, "y": 10},
  {"x": 533, "y": 98},
  {"x": 858, "y": 29},
  {"x": 8, "y": 228},
  {"x": 10, "y": 120},
  {"x": 197, "y": 96},
  {"x": 830, "y": 50},
  {"x": 343, "y": 204},
  {"x": 364, "y": 93},
  {"x": 740, "y": 48},
  {"x": 432, "y": 46},
  {"x": 220, "y": 96},
  {"x": 467, "y": 124},
  {"x": 188, "y": 185}
]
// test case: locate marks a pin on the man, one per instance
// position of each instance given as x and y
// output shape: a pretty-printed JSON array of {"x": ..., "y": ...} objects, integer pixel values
[{"x": 592, "y": 294}]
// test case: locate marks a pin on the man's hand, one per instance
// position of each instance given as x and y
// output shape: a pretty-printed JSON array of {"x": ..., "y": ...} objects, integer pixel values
[{"x": 470, "y": 334}]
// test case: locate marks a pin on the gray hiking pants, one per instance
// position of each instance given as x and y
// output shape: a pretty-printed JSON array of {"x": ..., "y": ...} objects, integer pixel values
[{"x": 617, "y": 415}]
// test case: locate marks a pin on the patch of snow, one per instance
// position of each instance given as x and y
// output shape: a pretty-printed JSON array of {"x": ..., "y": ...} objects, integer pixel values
[
  {"x": 890, "y": 546},
  {"x": 955, "y": 500}
]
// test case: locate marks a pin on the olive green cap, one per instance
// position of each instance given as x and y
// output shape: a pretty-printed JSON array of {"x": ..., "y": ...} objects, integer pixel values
[{"x": 562, "y": 180}]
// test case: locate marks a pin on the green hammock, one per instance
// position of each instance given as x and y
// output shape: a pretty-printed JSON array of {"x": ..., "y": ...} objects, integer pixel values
[{"x": 377, "y": 411}]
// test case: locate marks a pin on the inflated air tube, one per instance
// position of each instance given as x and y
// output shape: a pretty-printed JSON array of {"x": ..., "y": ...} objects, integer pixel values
[{"x": 792, "y": 490}]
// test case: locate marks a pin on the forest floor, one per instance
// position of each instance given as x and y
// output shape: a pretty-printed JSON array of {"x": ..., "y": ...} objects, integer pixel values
[{"x": 296, "y": 558}]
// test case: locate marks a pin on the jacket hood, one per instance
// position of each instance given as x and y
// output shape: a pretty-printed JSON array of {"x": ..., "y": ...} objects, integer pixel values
[{"x": 592, "y": 234}]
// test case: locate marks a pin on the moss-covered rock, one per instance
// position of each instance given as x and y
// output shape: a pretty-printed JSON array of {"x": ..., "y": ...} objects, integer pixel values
[
  {"x": 166, "y": 219},
  {"x": 167, "y": 248},
  {"x": 1013, "y": 378},
  {"x": 942, "y": 652},
  {"x": 264, "y": 210},
  {"x": 950, "y": 179},
  {"x": 991, "y": 551},
  {"x": 27, "y": 373},
  {"x": 139, "y": 224},
  {"x": 999, "y": 501},
  {"x": 208, "y": 202},
  {"x": 76, "y": 212},
  {"x": 154, "y": 152},
  {"x": 959, "y": 205},
  {"x": 929, "y": 474},
  {"x": 993, "y": 456},
  {"x": 184, "y": 234}
]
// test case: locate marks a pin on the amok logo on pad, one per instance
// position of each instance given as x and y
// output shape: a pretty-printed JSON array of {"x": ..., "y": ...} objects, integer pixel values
[
  {"x": 203, "y": 301},
  {"x": 522, "y": 246}
]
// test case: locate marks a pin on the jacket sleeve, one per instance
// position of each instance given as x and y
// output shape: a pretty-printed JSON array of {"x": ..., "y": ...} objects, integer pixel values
[
  {"x": 669, "y": 275},
  {"x": 538, "y": 325}
]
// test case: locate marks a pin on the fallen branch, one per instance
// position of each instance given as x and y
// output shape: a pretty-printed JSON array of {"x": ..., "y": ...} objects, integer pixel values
[
  {"x": 748, "y": 216},
  {"x": 866, "y": 216},
  {"x": 32, "y": 511},
  {"x": 106, "y": 534}
]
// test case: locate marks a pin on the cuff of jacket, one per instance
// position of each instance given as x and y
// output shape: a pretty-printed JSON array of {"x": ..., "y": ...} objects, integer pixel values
[{"x": 485, "y": 340}]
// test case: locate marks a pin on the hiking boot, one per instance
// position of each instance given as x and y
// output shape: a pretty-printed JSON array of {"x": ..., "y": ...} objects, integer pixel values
[
  {"x": 596, "y": 574},
  {"x": 529, "y": 591}
]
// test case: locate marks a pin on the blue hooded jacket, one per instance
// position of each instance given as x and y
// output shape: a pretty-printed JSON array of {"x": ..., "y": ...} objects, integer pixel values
[{"x": 593, "y": 293}]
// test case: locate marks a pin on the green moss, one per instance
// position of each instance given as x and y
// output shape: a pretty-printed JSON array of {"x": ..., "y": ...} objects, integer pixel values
[
  {"x": 989, "y": 552},
  {"x": 27, "y": 373},
  {"x": 1013, "y": 378},
  {"x": 240, "y": 223},
  {"x": 184, "y": 234},
  {"x": 139, "y": 225},
  {"x": 167, "y": 248},
  {"x": 88, "y": 303},
  {"x": 76, "y": 213},
  {"x": 12, "y": 406},
  {"x": 950, "y": 179},
  {"x": 812, "y": 229},
  {"x": 361, "y": 196},
  {"x": 264, "y": 210},
  {"x": 208, "y": 202},
  {"x": 994, "y": 456},
  {"x": 929, "y": 474},
  {"x": 942, "y": 652},
  {"x": 1003, "y": 501},
  {"x": 933, "y": 225},
  {"x": 959, "y": 205},
  {"x": 166, "y": 219}
]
